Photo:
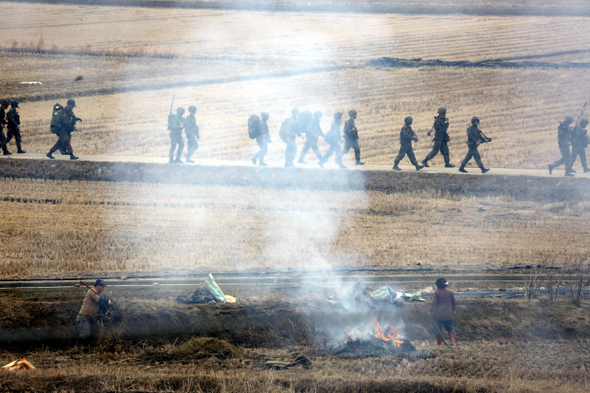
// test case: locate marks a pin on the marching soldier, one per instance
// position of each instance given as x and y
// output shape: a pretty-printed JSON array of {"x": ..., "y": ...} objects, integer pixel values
[
  {"x": 579, "y": 144},
  {"x": 474, "y": 139},
  {"x": 406, "y": 137},
  {"x": 175, "y": 126},
  {"x": 441, "y": 139},
  {"x": 351, "y": 137},
  {"x": 3, "y": 107},
  {"x": 13, "y": 121},
  {"x": 262, "y": 139},
  {"x": 313, "y": 131},
  {"x": 288, "y": 133},
  {"x": 192, "y": 133},
  {"x": 66, "y": 127},
  {"x": 333, "y": 137},
  {"x": 564, "y": 134}
]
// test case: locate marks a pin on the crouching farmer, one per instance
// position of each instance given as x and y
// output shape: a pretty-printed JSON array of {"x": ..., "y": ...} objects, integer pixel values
[
  {"x": 85, "y": 320},
  {"x": 442, "y": 309}
]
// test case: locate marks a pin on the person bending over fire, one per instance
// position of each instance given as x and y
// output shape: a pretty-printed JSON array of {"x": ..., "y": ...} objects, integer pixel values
[
  {"x": 85, "y": 320},
  {"x": 442, "y": 310}
]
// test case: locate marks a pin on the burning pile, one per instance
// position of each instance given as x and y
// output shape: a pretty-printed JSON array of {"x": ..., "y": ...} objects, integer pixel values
[{"x": 380, "y": 342}]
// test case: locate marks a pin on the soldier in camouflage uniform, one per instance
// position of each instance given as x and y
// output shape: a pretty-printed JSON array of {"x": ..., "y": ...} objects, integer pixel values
[
  {"x": 333, "y": 137},
  {"x": 175, "y": 126},
  {"x": 351, "y": 137},
  {"x": 66, "y": 127},
  {"x": 579, "y": 143},
  {"x": 262, "y": 139},
  {"x": 3, "y": 107},
  {"x": 441, "y": 139},
  {"x": 289, "y": 133},
  {"x": 406, "y": 137},
  {"x": 474, "y": 139},
  {"x": 313, "y": 131},
  {"x": 564, "y": 134},
  {"x": 192, "y": 133},
  {"x": 13, "y": 121}
]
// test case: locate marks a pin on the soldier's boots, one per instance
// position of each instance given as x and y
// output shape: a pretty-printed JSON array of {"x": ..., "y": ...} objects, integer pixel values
[
  {"x": 569, "y": 173},
  {"x": 50, "y": 156},
  {"x": 418, "y": 167},
  {"x": 289, "y": 164},
  {"x": 551, "y": 168},
  {"x": 262, "y": 163},
  {"x": 73, "y": 157},
  {"x": 179, "y": 161},
  {"x": 21, "y": 151},
  {"x": 586, "y": 170},
  {"x": 7, "y": 153},
  {"x": 449, "y": 165},
  {"x": 572, "y": 171},
  {"x": 188, "y": 160},
  {"x": 172, "y": 161},
  {"x": 359, "y": 163},
  {"x": 253, "y": 160},
  {"x": 397, "y": 168},
  {"x": 321, "y": 164},
  {"x": 425, "y": 164},
  {"x": 484, "y": 170},
  {"x": 341, "y": 166},
  {"x": 462, "y": 169}
]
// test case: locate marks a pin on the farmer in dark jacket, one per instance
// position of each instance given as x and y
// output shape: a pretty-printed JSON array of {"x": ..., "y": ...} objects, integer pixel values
[
  {"x": 406, "y": 136},
  {"x": 442, "y": 309}
]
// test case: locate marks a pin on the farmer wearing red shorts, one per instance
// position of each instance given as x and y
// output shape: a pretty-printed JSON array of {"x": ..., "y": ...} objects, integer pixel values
[{"x": 442, "y": 309}]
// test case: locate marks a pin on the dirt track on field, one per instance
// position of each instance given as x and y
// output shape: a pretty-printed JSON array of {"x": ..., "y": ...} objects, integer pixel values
[{"x": 328, "y": 8}]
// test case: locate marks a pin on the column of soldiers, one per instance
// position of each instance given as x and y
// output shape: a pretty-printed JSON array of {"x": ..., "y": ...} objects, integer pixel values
[{"x": 575, "y": 138}]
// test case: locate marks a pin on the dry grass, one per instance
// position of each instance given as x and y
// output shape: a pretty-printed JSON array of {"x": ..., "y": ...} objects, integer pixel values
[{"x": 215, "y": 228}]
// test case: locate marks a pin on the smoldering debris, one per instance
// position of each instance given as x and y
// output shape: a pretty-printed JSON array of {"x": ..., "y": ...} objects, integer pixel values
[
  {"x": 282, "y": 365},
  {"x": 208, "y": 292},
  {"x": 359, "y": 296}
]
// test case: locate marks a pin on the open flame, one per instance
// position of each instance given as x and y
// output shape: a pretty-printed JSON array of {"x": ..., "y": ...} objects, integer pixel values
[
  {"x": 387, "y": 335},
  {"x": 390, "y": 334}
]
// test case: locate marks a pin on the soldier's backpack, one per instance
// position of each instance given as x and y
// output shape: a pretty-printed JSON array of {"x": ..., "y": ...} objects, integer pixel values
[
  {"x": 285, "y": 129},
  {"x": 56, "y": 116},
  {"x": 254, "y": 126},
  {"x": 171, "y": 118}
]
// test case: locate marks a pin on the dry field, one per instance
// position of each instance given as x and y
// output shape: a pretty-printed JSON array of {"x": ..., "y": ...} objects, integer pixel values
[
  {"x": 220, "y": 228},
  {"x": 231, "y": 64}
]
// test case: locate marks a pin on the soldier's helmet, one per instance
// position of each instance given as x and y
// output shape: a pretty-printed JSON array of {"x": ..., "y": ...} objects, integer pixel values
[
  {"x": 584, "y": 122},
  {"x": 317, "y": 114},
  {"x": 442, "y": 111},
  {"x": 568, "y": 120},
  {"x": 352, "y": 112},
  {"x": 474, "y": 119},
  {"x": 14, "y": 103},
  {"x": 180, "y": 110},
  {"x": 264, "y": 116},
  {"x": 337, "y": 116},
  {"x": 441, "y": 283},
  {"x": 68, "y": 109},
  {"x": 192, "y": 109},
  {"x": 295, "y": 111},
  {"x": 408, "y": 120},
  {"x": 4, "y": 102},
  {"x": 71, "y": 103}
]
